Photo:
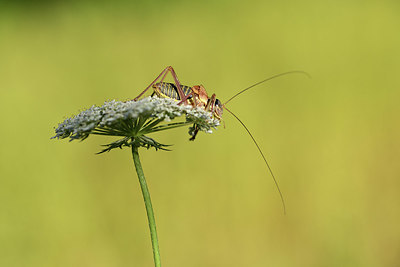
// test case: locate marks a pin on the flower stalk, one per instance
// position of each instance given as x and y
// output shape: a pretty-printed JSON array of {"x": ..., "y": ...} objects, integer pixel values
[{"x": 149, "y": 207}]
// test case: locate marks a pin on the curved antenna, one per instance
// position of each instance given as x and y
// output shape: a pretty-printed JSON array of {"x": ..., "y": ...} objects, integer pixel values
[
  {"x": 265, "y": 160},
  {"x": 270, "y": 78}
]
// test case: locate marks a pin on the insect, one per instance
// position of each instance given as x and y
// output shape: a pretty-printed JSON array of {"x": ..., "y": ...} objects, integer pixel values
[{"x": 197, "y": 97}]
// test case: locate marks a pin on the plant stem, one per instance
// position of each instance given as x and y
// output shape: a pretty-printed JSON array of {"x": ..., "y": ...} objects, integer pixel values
[{"x": 147, "y": 203}]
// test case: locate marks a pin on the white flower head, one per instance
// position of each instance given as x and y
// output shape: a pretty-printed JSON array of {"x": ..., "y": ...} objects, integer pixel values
[{"x": 132, "y": 120}]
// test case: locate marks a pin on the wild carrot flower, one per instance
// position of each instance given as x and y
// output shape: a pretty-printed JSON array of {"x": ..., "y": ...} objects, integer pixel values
[{"x": 132, "y": 122}]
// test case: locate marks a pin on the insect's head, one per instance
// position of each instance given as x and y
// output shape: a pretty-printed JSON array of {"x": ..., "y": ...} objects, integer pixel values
[{"x": 219, "y": 109}]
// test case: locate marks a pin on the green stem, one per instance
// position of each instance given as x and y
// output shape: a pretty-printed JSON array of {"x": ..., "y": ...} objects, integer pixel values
[{"x": 147, "y": 203}]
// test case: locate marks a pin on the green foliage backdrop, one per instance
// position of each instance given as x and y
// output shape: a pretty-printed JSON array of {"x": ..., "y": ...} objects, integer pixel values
[{"x": 333, "y": 140}]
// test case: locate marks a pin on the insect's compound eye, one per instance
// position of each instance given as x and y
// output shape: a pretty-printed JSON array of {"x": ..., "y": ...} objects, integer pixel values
[{"x": 217, "y": 102}]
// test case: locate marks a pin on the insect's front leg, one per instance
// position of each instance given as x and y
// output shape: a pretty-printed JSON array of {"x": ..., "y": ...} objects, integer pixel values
[
  {"x": 209, "y": 107},
  {"x": 211, "y": 104},
  {"x": 196, "y": 130}
]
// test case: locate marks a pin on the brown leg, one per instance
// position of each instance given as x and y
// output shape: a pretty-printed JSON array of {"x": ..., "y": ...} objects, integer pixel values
[
  {"x": 209, "y": 107},
  {"x": 211, "y": 104},
  {"x": 187, "y": 97},
  {"x": 196, "y": 130},
  {"x": 147, "y": 88},
  {"x": 163, "y": 74},
  {"x": 181, "y": 94}
]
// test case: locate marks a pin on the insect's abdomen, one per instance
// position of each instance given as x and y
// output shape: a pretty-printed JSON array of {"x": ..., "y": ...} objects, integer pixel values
[{"x": 169, "y": 90}]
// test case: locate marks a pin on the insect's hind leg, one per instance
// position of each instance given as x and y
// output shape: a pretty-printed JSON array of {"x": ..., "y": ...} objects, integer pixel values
[
  {"x": 178, "y": 85},
  {"x": 163, "y": 74}
]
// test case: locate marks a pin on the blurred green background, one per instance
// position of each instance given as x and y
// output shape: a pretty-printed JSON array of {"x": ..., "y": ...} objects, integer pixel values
[{"x": 332, "y": 141}]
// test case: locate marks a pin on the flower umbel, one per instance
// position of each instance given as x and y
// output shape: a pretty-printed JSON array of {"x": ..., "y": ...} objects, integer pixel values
[{"x": 133, "y": 120}]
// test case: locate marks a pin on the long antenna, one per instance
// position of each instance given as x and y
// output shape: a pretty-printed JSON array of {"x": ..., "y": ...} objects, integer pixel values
[
  {"x": 270, "y": 78},
  {"x": 262, "y": 154}
]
